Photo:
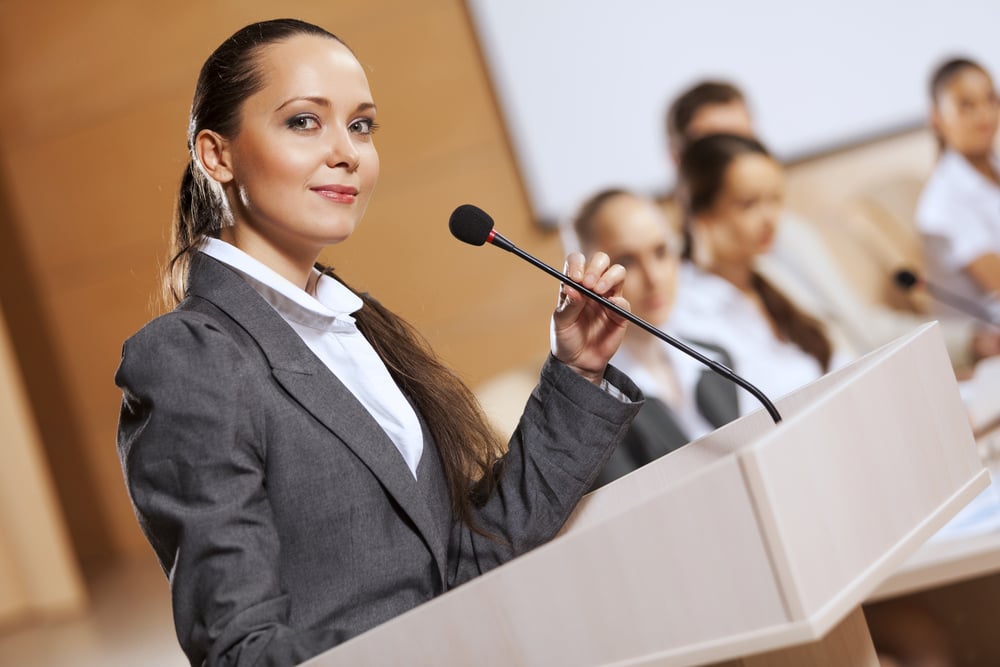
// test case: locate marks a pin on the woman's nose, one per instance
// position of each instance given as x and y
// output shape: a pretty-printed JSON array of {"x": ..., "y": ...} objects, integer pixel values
[{"x": 343, "y": 151}]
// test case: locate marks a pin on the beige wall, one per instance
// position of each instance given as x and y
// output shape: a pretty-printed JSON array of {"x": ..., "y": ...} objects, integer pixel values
[
  {"x": 95, "y": 96},
  {"x": 38, "y": 574}
]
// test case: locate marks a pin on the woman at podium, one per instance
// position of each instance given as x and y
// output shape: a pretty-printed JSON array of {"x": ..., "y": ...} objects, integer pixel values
[{"x": 302, "y": 464}]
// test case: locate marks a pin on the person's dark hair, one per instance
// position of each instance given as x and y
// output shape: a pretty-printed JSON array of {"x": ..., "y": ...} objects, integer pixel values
[
  {"x": 687, "y": 105},
  {"x": 948, "y": 70},
  {"x": 586, "y": 215},
  {"x": 468, "y": 447},
  {"x": 229, "y": 76},
  {"x": 702, "y": 176},
  {"x": 942, "y": 76}
]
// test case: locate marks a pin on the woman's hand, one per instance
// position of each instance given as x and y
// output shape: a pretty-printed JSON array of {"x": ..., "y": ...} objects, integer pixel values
[{"x": 585, "y": 334}]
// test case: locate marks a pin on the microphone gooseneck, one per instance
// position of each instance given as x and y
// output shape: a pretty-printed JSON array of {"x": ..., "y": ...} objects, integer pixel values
[
  {"x": 908, "y": 280},
  {"x": 470, "y": 224}
]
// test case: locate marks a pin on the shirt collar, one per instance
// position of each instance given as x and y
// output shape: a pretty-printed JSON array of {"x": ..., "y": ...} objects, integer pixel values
[
  {"x": 963, "y": 169},
  {"x": 329, "y": 309}
]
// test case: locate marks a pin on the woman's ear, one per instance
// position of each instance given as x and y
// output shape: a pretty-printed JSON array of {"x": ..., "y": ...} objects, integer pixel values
[{"x": 212, "y": 150}]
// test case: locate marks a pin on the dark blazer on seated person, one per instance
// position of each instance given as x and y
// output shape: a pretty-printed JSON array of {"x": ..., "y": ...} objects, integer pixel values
[
  {"x": 284, "y": 516},
  {"x": 655, "y": 431}
]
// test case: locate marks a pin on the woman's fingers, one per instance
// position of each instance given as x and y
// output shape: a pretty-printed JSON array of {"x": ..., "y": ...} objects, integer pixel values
[{"x": 612, "y": 281}]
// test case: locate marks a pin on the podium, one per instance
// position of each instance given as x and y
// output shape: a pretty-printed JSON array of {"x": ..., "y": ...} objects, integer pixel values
[{"x": 754, "y": 545}]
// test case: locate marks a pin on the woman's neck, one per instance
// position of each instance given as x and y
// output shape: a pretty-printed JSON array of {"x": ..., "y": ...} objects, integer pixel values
[
  {"x": 298, "y": 269},
  {"x": 740, "y": 275}
]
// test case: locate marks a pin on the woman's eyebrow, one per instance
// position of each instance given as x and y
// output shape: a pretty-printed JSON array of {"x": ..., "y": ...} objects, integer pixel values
[{"x": 323, "y": 102}]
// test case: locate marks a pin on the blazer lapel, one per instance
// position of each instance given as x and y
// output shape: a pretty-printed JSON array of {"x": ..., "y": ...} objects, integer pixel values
[{"x": 317, "y": 390}]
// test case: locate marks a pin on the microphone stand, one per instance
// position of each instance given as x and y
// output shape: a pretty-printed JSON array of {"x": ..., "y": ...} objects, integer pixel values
[{"x": 499, "y": 241}]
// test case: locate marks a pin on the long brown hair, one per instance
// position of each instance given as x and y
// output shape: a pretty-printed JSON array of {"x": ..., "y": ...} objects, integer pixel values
[
  {"x": 702, "y": 174},
  {"x": 468, "y": 447}
]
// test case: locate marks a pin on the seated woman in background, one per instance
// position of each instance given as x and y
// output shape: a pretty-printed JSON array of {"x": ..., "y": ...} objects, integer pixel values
[
  {"x": 959, "y": 210},
  {"x": 684, "y": 399},
  {"x": 732, "y": 192}
]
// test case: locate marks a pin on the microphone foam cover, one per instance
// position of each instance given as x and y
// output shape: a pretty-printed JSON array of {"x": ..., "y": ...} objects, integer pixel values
[
  {"x": 470, "y": 224},
  {"x": 906, "y": 279}
]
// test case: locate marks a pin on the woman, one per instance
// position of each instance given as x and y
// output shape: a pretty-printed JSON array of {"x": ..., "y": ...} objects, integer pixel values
[
  {"x": 302, "y": 465},
  {"x": 684, "y": 400},
  {"x": 959, "y": 210},
  {"x": 732, "y": 192}
]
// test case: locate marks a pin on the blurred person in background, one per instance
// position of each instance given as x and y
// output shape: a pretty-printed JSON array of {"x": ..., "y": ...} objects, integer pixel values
[
  {"x": 684, "y": 399},
  {"x": 959, "y": 209},
  {"x": 732, "y": 194}
]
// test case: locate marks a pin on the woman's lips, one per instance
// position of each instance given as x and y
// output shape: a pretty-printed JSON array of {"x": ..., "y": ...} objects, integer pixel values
[{"x": 340, "y": 194}]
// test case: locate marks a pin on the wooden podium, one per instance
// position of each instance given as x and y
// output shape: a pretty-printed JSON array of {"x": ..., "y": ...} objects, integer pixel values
[{"x": 754, "y": 545}]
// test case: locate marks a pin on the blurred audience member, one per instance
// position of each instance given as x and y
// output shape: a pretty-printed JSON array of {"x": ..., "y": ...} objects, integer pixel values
[
  {"x": 684, "y": 400},
  {"x": 959, "y": 209},
  {"x": 732, "y": 193}
]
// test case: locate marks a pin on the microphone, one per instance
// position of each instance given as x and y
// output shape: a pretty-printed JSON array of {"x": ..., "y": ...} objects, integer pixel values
[
  {"x": 908, "y": 280},
  {"x": 471, "y": 224}
]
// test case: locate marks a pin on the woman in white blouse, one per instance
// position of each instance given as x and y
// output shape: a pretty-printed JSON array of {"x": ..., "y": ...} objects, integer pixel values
[
  {"x": 959, "y": 209},
  {"x": 732, "y": 191}
]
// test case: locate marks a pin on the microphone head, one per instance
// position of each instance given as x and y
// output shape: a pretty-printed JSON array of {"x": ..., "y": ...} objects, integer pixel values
[
  {"x": 906, "y": 279},
  {"x": 470, "y": 224}
]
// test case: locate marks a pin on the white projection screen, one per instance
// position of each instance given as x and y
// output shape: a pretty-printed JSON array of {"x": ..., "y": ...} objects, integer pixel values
[{"x": 583, "y": 84}]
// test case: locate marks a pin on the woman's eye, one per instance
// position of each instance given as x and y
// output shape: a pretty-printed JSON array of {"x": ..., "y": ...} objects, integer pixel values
[
  {"x": 363, "y": 126},
  {"x": 303, "y": 122}
]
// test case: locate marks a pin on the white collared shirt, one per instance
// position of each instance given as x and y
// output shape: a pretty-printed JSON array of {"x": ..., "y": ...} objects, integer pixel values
[
  {"x": 959, "y": 219},
  {"x": 325, "y": 325},
  {"x": 713, "y": 310}
]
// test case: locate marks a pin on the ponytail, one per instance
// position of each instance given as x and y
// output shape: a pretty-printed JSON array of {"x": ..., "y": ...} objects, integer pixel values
[
  {"x": 794, "y": 325},
  {"x": 470, "y": 450},
  {"x": 201, "y": 211}
]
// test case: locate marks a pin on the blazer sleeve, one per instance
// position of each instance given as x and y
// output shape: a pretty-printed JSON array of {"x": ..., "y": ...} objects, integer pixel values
[
  {"x": 194, "y": 467},
  {"x": 567, "y": 432}
]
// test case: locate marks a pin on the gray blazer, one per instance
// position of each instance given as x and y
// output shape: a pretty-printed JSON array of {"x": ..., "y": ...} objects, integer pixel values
[{"x": 283, "y": 515}]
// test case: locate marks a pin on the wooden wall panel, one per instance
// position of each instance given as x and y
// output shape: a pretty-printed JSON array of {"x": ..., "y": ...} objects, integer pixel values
[
  {"x": 95, "y": 101},
  {"x": 38, "y": 569}
]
